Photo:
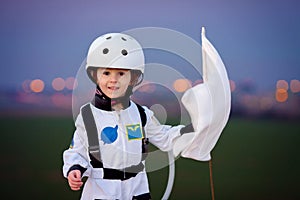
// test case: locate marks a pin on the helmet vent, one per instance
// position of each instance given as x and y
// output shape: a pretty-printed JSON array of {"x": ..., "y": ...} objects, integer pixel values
[
  {"x": 124, "y": 52},
  {"x": 105, "y": 51},
  {"x": 123, "y": 38},
  {"x": 108, "y": 38}
]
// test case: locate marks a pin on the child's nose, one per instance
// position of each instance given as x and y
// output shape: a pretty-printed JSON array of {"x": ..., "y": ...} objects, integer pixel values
[{"x": 114, "y": 78}]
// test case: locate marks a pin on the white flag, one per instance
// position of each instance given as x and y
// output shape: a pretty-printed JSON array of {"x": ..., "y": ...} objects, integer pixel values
[{"x": 208, "y": 105}]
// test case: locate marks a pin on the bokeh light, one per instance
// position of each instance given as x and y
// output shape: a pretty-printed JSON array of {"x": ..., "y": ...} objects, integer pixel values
[
  {"x": 37, "y": 85},
  {"x": 281, "y": 95},
  {"x": 282, "y": 84},
  {"x": 295, "y": 86},
  {"x": 181, "y": 85},
  {"x": 58, "y": 84},
  {"x": 71, "y": 83},
  {"x": 26, "y": 86}
]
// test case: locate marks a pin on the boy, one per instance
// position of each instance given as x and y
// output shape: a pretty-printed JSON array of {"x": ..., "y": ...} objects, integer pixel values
[{"x": 115, "y": 63}]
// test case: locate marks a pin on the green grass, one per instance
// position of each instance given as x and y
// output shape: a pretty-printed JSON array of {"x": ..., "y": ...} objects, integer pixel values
[{"x": 254, "y": 159}]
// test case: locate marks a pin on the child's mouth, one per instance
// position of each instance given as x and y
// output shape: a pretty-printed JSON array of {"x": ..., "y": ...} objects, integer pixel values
[{"x": 113, "y": 88}]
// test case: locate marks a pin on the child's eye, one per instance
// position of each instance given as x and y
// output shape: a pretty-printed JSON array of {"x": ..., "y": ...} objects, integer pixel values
[
  {"x": 121, "y": 73},
  {"x": 106, "y": 73}
]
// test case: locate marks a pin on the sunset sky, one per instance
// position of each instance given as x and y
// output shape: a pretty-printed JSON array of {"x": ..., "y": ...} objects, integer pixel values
[{"x": 258, "y": 40}]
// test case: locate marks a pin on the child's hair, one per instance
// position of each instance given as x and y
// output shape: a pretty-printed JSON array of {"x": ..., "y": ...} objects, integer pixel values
[{"x": 136, "y": 76}]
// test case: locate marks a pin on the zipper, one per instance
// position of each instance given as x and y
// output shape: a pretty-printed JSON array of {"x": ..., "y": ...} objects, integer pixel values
[{"x": 119, "y": 122}]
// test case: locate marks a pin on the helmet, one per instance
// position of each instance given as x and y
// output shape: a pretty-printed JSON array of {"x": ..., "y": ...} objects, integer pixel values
[{"x": 115, "y": 50}]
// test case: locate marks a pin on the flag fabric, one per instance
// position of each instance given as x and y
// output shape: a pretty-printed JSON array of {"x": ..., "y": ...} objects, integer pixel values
[{"x": 209, "y": 106}]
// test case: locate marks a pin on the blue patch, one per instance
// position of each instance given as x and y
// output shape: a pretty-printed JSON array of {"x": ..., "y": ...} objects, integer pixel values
[
  {"x": 134, "y": 132},
  {"x": 109, "y": 134}
]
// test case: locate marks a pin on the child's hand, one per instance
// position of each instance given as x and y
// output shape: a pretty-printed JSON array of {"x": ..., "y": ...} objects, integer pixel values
[{"x": 74, "y": 179}]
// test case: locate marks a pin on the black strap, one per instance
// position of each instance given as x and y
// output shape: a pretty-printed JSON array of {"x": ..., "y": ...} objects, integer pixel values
[
  {"x": 91, "y": 130},
  {"x": 145, "y": 196},
  {"x": 187, "y": 129},
  {"x": 121, "y": 174},
  {"x": 145, "y": 140},
  {"x": 142, "y": 115}
]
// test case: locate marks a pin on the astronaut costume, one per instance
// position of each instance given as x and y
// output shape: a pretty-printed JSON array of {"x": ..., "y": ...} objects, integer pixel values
[
  {"x": 120, "y": 174},
  {"x": 124, "y": 152}
]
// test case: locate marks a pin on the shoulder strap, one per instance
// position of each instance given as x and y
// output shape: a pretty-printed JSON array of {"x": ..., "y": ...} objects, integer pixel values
[
  {"x": 91, "y": 130},
  {"x": 145, "y": 140},
  {"x": 142, "y": 114}
]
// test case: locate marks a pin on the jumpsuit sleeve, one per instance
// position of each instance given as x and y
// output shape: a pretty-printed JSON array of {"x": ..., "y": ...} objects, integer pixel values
[
  {"x": 162, "y": 136},
  {"x": 77, "y": 154}
]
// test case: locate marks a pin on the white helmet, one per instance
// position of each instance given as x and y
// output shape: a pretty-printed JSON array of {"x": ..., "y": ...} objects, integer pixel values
[{"x": 115, "y": 50}]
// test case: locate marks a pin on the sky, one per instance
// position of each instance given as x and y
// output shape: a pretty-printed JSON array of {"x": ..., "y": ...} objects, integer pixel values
[{"x": 258, "y": 40}]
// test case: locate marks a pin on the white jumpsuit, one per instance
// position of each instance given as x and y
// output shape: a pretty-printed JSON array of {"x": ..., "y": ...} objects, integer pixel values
[{"x": 123, "y": 151}]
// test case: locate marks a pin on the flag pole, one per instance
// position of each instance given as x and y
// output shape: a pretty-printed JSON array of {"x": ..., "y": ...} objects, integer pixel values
[{"x": 212, "y": 188}]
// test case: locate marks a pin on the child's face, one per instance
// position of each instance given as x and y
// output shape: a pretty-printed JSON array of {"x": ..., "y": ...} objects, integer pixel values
[{"x": 113, "y": 82}]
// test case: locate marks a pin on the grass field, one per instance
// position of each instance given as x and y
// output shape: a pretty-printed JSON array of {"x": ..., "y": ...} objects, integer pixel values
[{"x": 254, "y": 159}]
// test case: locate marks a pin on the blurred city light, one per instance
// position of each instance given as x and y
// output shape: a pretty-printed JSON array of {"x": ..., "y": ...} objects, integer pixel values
[
  {"x": 281, "y": 95},
  {"x": 181, "y": 85},
  {"x": 37, "y": 85},
  {"x": 71, "y": 83},
  {"x": 26, "y": 86},
  {"x": 246, "y": 100},
  {"x": 282, "y": 84},
  {"x": 58, "y": 84},
  {"x": 295, "y": 86}
]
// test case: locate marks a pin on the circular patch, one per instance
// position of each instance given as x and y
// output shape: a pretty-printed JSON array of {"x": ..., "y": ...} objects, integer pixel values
[{"x": 109, "y": 134}]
